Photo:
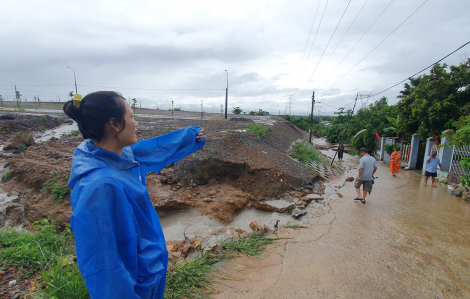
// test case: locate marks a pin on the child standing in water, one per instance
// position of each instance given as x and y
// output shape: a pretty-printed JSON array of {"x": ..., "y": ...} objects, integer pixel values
[{"x": 119, "y": 241}]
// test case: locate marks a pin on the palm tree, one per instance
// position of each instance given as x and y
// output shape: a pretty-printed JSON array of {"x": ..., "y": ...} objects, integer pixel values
[{"x": 408, "y": 89}]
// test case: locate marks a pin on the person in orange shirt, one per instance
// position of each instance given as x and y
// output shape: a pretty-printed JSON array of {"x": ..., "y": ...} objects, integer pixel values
[{"x": 395, "y": 161}]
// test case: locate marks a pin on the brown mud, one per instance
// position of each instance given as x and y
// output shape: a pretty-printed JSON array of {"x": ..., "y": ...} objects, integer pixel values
[{"x": 232, "y": 170}]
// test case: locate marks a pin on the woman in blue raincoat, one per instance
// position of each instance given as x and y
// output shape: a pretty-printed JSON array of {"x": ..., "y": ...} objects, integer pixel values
[{"x": 119, "y": 241}]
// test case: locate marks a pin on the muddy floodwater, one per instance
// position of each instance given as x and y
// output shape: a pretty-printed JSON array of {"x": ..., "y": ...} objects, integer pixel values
[
  {"x": 56, "y": 132},
  {"x": 175, "y": 223},
  {"x": 407, "y": 241}
]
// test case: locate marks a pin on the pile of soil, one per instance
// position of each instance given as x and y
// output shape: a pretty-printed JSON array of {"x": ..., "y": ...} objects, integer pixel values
[{"x": 232, "y": 169}]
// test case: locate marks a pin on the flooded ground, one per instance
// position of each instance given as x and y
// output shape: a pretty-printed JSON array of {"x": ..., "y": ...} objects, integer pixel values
[
  {"x": 407, "y": 241},
  {"x": 197, "y": 225},
  {"x": 55, "y": 133}
]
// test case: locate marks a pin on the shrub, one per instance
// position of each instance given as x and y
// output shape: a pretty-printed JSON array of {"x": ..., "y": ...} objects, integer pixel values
[
  {"x": 259, "y": 130},
  {"x": 57, "y": 190},
  {"x": 6, "y": 176},
  {"x": 304, "y": 153}
]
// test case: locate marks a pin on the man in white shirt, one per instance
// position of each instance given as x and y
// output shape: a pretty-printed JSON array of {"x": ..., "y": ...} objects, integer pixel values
[
  {"x": 431, "y": 168},
  {"x": 367, "y": 168}
]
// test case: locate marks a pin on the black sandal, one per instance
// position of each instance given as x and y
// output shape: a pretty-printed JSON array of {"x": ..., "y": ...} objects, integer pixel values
[
  {"x": 357, "y": 198},
  {"x": 363, "y": 201}
]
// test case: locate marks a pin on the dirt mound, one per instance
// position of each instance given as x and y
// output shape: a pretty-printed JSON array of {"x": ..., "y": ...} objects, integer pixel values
[{"x": 232, "y": 170}]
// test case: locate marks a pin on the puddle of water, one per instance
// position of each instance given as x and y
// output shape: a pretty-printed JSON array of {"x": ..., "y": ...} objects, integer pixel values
[
  {"x": 279, "y": 203},
  {"x": 32, "y": 111},
  {"x": 174, "y": 223},
  {"x": 56, "y": 132}
]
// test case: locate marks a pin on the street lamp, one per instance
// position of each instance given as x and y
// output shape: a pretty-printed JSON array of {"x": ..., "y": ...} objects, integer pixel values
[
  {"x": 74, "y": 78},
  {"x": 226, "y": 96}
]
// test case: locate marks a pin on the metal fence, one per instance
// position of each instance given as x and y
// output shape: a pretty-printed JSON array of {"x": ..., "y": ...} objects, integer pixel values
[
  {"x": 405, "y": 152},
  {"x": 457, "y": 155}
]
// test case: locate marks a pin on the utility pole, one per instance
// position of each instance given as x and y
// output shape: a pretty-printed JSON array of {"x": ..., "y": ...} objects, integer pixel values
[
  {"x": 16, "y": 97},
  {"x": 311, "y": 117},
  {"x": 226, "y": 97},
  {"x": 202, "y": 109},
  {"x": 290, "y": 105},
  {"x": 345, "y": 130}
]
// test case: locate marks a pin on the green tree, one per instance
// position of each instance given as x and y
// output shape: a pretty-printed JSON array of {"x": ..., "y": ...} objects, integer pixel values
[
  {"x": 1, "y": 100},
  {"x": 36, "y": 101},
  {"x": 71, "y": 95},
  {"x": 437, "y": 102},
  {"x": 237, "y": 110},
  {"x": 377, "y": 117},
  {"x": 134, "y": 105},
  {"x": 17, "y": 97}
]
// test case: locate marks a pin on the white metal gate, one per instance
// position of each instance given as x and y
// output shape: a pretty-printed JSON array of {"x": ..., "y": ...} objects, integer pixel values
[{"x": 457, "y": 155}]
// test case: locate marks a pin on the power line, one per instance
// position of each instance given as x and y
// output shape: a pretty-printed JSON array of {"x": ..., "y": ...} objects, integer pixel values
[
  {"x": 134, "y": 88},
  {"x": 326, "y": 47},
  {"x": 313, "y": 41},
  {"x": 421, "y": 70},
  {"x": 344, "y": 35},
  {"x": 381, "y": 42},
  {"x": 11, "y": 85},
  {"x": 138, "y": 88},
  {"x": 357, "y": 42},
  {"x": 373, "y": 95},
  {"x": 308, "y": 41}
]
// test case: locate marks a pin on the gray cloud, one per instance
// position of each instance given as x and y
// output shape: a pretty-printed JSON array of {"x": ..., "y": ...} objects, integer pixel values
[{"x": 145, "y": 49}]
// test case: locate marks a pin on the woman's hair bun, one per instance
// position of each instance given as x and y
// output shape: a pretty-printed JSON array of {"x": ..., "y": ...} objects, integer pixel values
[{"x": 71, "y": 111}]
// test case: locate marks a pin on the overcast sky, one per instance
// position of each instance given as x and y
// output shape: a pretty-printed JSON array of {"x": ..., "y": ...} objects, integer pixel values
[{"x": 163, "y": 51}]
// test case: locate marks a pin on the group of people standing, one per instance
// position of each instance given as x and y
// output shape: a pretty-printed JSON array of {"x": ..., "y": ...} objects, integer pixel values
[{"x": 368, "y": 167}]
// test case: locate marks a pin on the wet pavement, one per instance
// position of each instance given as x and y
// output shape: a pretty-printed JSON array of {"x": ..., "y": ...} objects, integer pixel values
[{"x": 407, "y": 241}]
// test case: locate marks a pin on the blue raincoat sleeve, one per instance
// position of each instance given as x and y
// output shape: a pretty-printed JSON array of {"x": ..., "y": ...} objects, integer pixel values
[
  {"x": 156, "y": 153},
  {"x": 106, "y": 246}
]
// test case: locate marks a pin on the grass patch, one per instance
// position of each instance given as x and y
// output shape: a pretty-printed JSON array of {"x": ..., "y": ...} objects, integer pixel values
[
  {"x": 295, "y": 226},
  {"x": 58, "y": 190},
  {"x": 210, "y": 150},
  {"x": 34, "y": 251},
  {"x": 51, "y": 250},
  {"x": 190, "y": 279},
  {"x": 73, "y": 132},
  {"x": 259, "y": 130},
  {"x": 43, "y": 117},
  {"x": 6, "y": 176},
  {"x": 250, "y": 246},
  {"x": 64, "y": 280},
  {"x": 304, "y": 153}
]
